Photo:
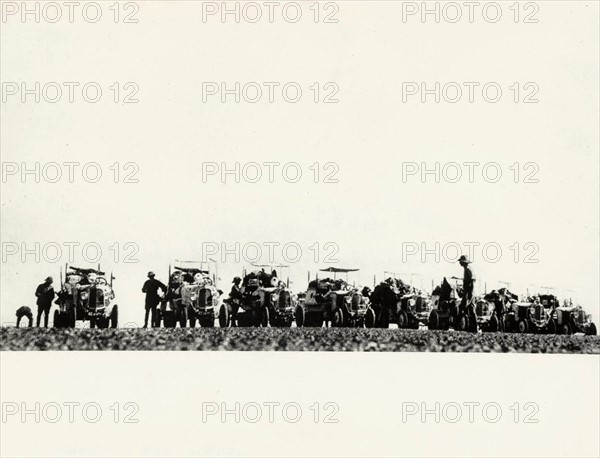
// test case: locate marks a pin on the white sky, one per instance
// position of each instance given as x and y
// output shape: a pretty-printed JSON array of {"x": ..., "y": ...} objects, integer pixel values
[{"x": 369, "y": 134}]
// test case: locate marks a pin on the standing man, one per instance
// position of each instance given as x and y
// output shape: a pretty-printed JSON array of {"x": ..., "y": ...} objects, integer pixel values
[
  {"x": 237, "y": 297},
  {"x": 151, "y": 287},
  {"x": 468, "y": 282},
  {"x": 24, "y": 312},
  {"x": 45, "y": 296}
]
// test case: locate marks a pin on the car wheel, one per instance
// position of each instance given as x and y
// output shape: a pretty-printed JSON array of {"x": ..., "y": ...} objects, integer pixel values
[
  {"x": 72, "y": 317},
  {"x": 565, "y": 329},
  {"x": 370, "y": 318},
  {"x": 462, "y": 322},
  {"x": 224, "y": 317},
  {"x": 210, "y": 322},
  {"x": 384, "y": 318},
  {"x": 102, "y": 323},
  {"x": 114, "y": 317},
  {"x": 92, "y": 323},
  {"x": 551, "y": 327},
  {"x": 337, "y": 320},
  {"x": 522, "y": 326},
  {"x": 471, "y": 320},
  {"x": 591, "y": 330},
  {"x": 264, "y": 317},
  {"x": 434, "y": 321},
  {"x": 299, "y": 316},
  {"x": 56, "y": 320},
  {"x": 183, "y": 317},
  {"x": 493, "y": 324},
  {"x": 402, "y": 320}
]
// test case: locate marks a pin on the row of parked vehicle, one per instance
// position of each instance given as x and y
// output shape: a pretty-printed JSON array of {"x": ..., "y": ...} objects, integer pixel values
[{"x": 263, "y": 299}]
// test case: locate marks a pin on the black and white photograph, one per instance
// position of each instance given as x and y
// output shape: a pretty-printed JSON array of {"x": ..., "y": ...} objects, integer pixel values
[{"x": 313, "y": 228}]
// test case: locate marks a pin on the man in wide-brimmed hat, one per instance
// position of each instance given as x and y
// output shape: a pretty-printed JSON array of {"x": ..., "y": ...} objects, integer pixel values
[
  {"x": 45, "y": 296},
  {"x": 151, "y": 287},
  {"x": 236, "y": 297},
  {"x": 468, "y": 281}
]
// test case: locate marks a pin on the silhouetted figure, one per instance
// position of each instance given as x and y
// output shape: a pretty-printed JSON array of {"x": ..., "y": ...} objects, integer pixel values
[
  {"x": 151, "y": 287},
  {"x": 24, "y": 312},
  {"x": 45, "y": 296},
  {"x": 468, "y": 282}
]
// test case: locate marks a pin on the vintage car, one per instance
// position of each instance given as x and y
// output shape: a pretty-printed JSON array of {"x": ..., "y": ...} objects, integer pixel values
[
  {"x": 277, "y": 296},
  {"x": 191, "y": 297},
  {"x": 491, "y": 308},
  {"x": 333, "y": 301},
  {"x": 394, "y": 301},
  {"x": 532, "y": 316},
  {"x": 571, "y": 318},
  {"x": 446, "y": 311},
  {"x": 260, "y": 293},
  {"x": 86, "y": 294}
]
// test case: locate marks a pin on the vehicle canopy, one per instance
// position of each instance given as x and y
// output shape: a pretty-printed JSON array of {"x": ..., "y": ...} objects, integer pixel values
[{"x": 192, "y": 272}]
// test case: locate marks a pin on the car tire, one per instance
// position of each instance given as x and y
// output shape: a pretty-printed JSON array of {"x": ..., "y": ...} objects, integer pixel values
[
  {"x": 299, "y": 316},
  {"x": 462, "y": 322},
  {"x": 72, "y": 317},
  {"x": 522, "y": 326},
  {"x": 370, "y": 318},
  {"x": 384, "y": 318},
  {"x": 114, "y": 317},
  {"x": 402, "y": 320},
  {"x": 337, "y": 321},
  {"x": 224, "y": 316},
  {"x": 591, "y": 330},
  {"x": 264, "y": 317},
  {"x": 565, "y": 329},
  {"x": 434, "y": 321},
  {"x": 472, "y": 320},
  {"x": 183, "y": 317},
  {"x": 551, "y": 327},
  {"x": 493, "y": 324},
  {"x": 56, "y": 322}
]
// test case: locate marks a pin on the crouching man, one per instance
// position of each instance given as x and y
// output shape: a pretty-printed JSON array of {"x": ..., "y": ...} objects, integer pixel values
[{"x": 24, "y": 312}]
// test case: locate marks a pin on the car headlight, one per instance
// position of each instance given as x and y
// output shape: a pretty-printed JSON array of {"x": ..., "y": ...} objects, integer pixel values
[
  {"x": 84, "y": 296},
  {"x": 274, "y": 297}
]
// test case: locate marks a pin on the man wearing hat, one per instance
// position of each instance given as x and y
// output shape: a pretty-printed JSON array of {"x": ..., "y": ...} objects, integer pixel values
[
  {"x": 24, "y": 312},
  {"x": 468, "y": 281},
  {"x": 151, "y": 287},
  {"x": 45, "y": 296},
  {"x": 236, "y": 297}
]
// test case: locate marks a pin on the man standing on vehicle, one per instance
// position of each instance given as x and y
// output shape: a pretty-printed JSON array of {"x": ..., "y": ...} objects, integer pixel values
[
  {"x": 468, "y": 282},
  {"x": 45, "y": 296},
  {"x": 151, "y": 287}
]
